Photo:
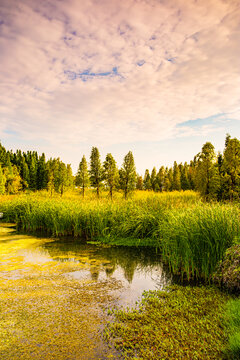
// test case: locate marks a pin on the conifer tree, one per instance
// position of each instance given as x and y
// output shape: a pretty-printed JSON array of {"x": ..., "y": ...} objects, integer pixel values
[
  {"x": 169, "y": 183},
  {"x": 96, "y": 170},
  {"x": 24, "y": 173},
  {"x": 111, "y": 174},
  {"x": 231, "y": 168},
  {"x": 41, "y": 173},
  {"x": 2, "y": 181},
  {"x": 153, "y": 179},
  {"x": 176, "y": 182},
  {"x": 207, "y": 176},
  {"x": 2, "y": 155},
  {"x": 147, "y": 180},
  {"x": 82, "y": 178},
  {"x": 160, "y": 179},
  {"x": 139, "y": 185},
  {"x": 184, "y": 171},
  {"x": 128, "y": 174}
]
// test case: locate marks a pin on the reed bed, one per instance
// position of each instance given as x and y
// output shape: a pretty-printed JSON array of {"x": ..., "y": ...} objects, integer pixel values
[{"x": 192, "y": 236}]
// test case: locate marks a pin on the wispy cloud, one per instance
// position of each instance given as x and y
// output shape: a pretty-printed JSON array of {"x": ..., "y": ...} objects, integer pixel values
[{"x": 104, "y": 72}]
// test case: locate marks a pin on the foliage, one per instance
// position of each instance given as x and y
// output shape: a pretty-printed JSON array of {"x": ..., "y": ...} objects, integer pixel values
[
  {"x": 111, "y": 175},
  {"x": 207, "y": 176},
  {"x": 216, "y": 178},
  {"x": 82, "y": 177},
  {"x": 231, "y": 169},
  {"x": 2, "y": 181},
  {"x": 128, "y": 174},
  {"x": 183, "y": 323},
  {"x": 96, "y": 170}
]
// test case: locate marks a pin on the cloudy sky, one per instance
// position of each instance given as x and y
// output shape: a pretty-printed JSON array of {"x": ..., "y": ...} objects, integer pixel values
[{"x": 157, "y": 77}]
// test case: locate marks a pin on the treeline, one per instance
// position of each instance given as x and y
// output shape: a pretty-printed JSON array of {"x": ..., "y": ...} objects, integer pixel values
[
  {"x": 215, "y": 176},
  {"x": 20, "y": 171}
]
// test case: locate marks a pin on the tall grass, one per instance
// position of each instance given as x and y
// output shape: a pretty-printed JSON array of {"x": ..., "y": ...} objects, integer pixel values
[
  {"x": 192, "y": 236},
  {"x": 193, "y": 241}
]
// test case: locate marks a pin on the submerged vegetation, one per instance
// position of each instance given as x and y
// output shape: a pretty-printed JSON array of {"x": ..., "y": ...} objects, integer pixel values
[{"x": 183, "y": 323}]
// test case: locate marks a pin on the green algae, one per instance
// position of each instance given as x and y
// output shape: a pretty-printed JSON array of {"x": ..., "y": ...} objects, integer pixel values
[{"x": 43, "y": 313}]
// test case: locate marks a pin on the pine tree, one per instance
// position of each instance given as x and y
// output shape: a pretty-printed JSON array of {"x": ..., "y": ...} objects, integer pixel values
[
  {"x": 2, "y": 181},
  {"x": 153, "y": 179},
  {"x": 139, "y": 185},
  {"x": 184, "y": 171},
  {"x": 82, "y": 178},
  {"x": 169, "y": 183},
  {"x": 176, "y": 184},
  {"x": 96, "y": 170},
  {"x": 111, "y": 174},
  {"x": 147, "y": 180},
  {"x": 3, "y": 155},
  {"x": 128, "y": 174},
  {"x": 24, "y": 173},
  {"x": 41, "y": 182},
  {"x": 231, "y": 168},
  {"x": 160, "y": 179},
  {"x": 207, "y": 176}
]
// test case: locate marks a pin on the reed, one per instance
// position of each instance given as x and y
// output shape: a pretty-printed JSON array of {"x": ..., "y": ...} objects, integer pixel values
[{"x": 192, "y": 236}]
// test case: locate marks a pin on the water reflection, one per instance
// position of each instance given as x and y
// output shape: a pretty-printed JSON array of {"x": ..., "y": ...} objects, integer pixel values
[{"x": 137, "y": 269}]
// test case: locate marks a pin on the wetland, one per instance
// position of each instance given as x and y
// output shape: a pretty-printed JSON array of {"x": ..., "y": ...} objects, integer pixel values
[{"x": 54, "y": 294}]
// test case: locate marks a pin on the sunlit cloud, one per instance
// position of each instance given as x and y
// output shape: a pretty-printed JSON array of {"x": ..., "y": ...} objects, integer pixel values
[{"x": 108, "y": 72}]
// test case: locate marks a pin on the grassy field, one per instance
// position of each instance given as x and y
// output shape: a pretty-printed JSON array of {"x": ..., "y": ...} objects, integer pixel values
[{"x": 191, "y": 236}]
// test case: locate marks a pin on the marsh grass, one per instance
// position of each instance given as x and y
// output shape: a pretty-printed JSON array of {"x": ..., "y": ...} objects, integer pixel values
[{"x": 192, "y": 236}]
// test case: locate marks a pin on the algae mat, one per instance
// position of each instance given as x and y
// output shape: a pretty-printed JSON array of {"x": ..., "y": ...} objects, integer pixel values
[{"x": 44, "y": 314}]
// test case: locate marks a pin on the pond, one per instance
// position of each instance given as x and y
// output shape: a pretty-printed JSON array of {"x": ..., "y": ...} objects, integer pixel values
[{"x": 54, "y": 294}]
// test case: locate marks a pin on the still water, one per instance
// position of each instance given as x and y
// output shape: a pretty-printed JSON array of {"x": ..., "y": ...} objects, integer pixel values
[{"x": 54, "y": 294}]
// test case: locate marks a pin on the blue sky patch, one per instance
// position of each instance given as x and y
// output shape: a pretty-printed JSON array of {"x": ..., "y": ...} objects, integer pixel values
[
  {"x": 88, "y": 74},
  {"x": 202, "y": 121}
]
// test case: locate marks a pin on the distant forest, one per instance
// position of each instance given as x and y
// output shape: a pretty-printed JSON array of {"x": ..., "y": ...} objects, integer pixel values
[{"x": 215, "y": 176}]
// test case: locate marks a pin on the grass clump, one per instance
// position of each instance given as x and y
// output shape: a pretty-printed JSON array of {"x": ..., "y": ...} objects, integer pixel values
[
  {"x": 193, "y": 241},
  {"x": 184, "y": 323}
]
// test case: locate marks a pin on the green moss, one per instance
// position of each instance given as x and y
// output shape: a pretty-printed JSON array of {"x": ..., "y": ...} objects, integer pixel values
[{"x": 184, "y": 323}]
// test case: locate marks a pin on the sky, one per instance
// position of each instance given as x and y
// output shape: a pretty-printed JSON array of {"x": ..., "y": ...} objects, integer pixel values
[{"x": 157, "y": 77}]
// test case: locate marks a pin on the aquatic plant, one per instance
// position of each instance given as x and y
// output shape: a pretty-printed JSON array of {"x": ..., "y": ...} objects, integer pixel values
[{"x": 183, "y": 323}]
